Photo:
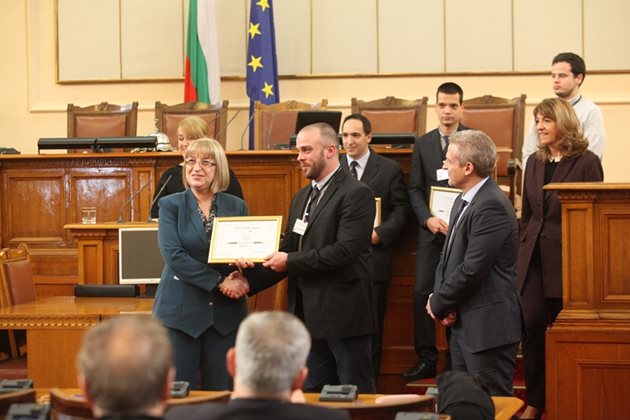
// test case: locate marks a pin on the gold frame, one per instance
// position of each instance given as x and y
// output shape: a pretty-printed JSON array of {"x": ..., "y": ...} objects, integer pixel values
[
  {"x": 221, "y": 221},
  {"x": 377, "y": 217},
  {"x": 448, "y": 190}
]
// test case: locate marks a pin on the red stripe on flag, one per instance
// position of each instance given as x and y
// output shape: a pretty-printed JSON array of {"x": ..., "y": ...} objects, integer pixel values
[{"x": 190, "y": 91}]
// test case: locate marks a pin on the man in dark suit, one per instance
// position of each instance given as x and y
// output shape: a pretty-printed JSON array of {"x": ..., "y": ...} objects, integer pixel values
[
  {"x": 385, "y": 178},
  {"x": 326, "y": 251},
  {"x": 475, "y": 283},
  {"x": 426, "y": 172},
  {"x": 267, "y": 364}
]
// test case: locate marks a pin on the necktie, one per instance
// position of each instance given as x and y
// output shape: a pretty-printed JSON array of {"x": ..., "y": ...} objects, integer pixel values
[
  {"x": 453, "y": 229},
  {"x": 353, "y": 169},
  {"x": 445, "y": 146},
  {"x": 312, "y": 203}
]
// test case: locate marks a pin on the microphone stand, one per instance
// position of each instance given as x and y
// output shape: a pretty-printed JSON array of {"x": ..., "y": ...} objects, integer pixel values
[{"x": 134, "y": 195}]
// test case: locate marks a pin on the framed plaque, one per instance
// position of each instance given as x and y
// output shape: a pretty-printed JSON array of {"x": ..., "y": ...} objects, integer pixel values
[
  {"x": 441, "y": 201},
  {"x": 250, "y": 237},
  {"x": 377, "y": 217}
]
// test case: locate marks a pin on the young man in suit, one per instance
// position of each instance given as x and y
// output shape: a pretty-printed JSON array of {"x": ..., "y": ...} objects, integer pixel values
[
  {"x": 567, "y": 74},
  {"x": 326, "y": 252},
  {"x": 268, "y": 366},
  {"x": 385, "y": 178},
  {"x": 475, "y": 284},
  {"x": 125, "y": 368},
  {"x": 426, "y": 172}
]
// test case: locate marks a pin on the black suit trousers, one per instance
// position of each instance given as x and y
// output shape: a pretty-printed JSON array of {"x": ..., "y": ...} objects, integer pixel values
[{"x": 427, "y": 260}]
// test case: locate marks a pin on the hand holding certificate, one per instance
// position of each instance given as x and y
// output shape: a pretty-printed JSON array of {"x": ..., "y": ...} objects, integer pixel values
[
  {"x": 251, "y": 238},
  {"x": 441, "y": 201}
]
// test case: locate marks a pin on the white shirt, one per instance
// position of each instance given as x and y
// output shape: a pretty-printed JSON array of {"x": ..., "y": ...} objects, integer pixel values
[
  {"x": 592, "y": 122},
  {"x": 361, "y": 162}
]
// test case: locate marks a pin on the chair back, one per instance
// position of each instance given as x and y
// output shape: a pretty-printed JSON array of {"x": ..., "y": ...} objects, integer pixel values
[
  {"x": 275, "y": 123},
  {"x": 69, "y": 405},
  {"x": 168, "y": 118},
  {"x": 17, "y": 276},
  {"x": 504, "y": 121},
  {"x": 22, "y": 396},
  {"x": 391, "y": 115},
  {"x": 102, "y": 120}
]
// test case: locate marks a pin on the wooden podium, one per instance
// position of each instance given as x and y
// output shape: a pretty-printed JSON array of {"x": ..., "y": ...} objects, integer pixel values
[{"x": 588, "y": 347}]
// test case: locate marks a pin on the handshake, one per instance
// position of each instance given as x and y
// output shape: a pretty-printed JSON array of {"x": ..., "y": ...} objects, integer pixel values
[{"x": 235, "y": 286}]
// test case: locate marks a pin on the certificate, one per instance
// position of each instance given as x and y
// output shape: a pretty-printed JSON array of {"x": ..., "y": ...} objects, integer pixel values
[
  {"x": 377, "y": 216},
  {"x": 441, "y": 201},
  {"x": 252, "y": 238}
]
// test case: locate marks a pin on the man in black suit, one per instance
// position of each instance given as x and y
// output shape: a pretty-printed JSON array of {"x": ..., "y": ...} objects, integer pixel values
[
  {"x": 385, "y": 178},
  {"x": 267, "y": 364},
  {"x": 475, "y": 283},
  {"x": 426, "y": 172},
  {"x": 325, "y": 252}
]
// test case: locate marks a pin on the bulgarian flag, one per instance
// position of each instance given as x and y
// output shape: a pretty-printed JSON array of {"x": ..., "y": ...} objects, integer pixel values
[{"x": 202, "y": 82}]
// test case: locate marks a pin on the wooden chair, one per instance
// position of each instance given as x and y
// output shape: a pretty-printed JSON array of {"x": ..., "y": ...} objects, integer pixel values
[
  {"x": 503, "y": 120},
  {"x": 23, "y": 396},
  {"x": 17, "y": 284},
  {"x": 102, "y": 120},
  {"x": 168, "y": 118},
  {"x": 392, "y": 115},
  {"x": 275, "y": 123}
]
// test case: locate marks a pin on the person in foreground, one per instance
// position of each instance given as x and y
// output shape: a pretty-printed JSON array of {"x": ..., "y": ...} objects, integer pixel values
[
  {"x": 201, "y": 321},
  {"x": 268, "y": 366},
  {"x": 125, "y": 368},
  {"x": 325, "y": 252},
  {"x": 190, "y": 129},
  {"x": 562, "y": 157},
  {"x": 475, "y": 282}
]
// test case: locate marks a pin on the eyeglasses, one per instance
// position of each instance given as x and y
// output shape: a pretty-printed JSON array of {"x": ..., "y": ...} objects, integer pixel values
[{"x": 204, "y": 163}]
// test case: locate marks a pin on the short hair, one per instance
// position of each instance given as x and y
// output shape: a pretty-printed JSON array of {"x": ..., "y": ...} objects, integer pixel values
[
  {"x": 367, "y": 125},
  {"x": 125, "y": 361},
  {"x": 572, "y": 141},
  {"x": 476, "y": 147},
  {"x": 575, "y": 61},
  {"x": 271, "y": 349},
  {"x": 194, "y": 127},
  {"x": 206, "y": 148},
  {"x": 450, "y": 88},
  {"x": 327, "y": 134}
]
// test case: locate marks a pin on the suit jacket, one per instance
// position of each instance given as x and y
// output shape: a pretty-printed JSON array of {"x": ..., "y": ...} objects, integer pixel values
[
  {"x": 330, "y": 272},
  {"x": 477, "y": 275},
  {"x": 425, "y": 161},
  {"x": 385, "y": 178},
  {"x": 540, "y": 218},
  {"x": 186, "y": 298},
  {"x": 254, "y": 409}
]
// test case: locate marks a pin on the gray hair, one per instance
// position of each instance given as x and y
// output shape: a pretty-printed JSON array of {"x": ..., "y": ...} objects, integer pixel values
[
  {"x": 271, "y": 349},
  {"x": 476, "y": 147},
  {"x": 125, "y": 362}
]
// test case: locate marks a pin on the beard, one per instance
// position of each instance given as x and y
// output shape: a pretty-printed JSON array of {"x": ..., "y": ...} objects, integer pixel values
[{"x": 315, "y": 169}]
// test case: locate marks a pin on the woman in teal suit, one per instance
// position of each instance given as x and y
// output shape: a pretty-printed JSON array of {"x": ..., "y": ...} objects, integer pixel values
[{"x": 201, "y": 321}]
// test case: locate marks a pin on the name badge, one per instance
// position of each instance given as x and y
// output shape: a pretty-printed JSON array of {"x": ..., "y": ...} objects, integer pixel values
[
  {"x": 441, "y": 174},
  {"x": 300, "y": 227}
]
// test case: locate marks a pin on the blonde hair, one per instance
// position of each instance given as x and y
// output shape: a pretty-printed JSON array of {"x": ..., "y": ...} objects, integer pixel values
[
  {"x": 194, "y": 127},
  {"x": 205, "y": 148}
]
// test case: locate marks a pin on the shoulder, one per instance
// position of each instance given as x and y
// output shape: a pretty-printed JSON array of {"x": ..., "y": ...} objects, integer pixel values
[
  {"x": 226, "y": 199},
  {"x": 173, "y": 199},
  {"x": 205, "y": 411},
  {"x": 433, "y": 134}
]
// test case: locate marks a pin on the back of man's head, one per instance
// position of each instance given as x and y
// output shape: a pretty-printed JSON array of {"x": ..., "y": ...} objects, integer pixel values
[
  {"x": 575, "y": 61},
  {"x": 271, "y": 351},
  {"x": 125, "y": 365}
]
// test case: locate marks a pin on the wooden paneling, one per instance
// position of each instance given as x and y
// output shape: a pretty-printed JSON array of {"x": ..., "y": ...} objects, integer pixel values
[{"x": 588, "y": 347}]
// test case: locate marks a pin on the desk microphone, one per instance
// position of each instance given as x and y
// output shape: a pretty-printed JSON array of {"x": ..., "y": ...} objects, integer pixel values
[
  {"x": 245, "y": 131},
  {"x": 218, "y": 134},
  {"x": 157, "y": 196},
  {"x": 134, "y": 195}
]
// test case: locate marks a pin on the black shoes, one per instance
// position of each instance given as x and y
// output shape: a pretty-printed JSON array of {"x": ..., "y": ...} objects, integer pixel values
[{"x": 420, "y": 370}]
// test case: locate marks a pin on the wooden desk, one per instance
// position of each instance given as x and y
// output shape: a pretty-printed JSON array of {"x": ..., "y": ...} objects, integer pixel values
[
  {"x": 365, "y": 406},
  {"x": 54, "y": 329}
]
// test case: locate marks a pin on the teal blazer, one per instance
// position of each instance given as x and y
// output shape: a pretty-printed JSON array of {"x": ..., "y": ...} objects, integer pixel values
[{"x": 187, "y": 298}]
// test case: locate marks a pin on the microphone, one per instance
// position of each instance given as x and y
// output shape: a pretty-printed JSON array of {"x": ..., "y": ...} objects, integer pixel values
[
  {"x": 157, "y": 196},
  {"x": 134, "y": 195},
  {"x": 218, "y": 134},
  {"x": 245, "y": 131},
  {"x": 273, "y": 117}
]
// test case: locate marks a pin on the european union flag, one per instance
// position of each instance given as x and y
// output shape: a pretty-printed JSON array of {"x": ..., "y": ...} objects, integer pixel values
[{"x": 262, "y": 65}]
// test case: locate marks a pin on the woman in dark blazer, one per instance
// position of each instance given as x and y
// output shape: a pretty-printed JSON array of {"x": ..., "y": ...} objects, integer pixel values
[
  {"x": 201, "y": 321},
  {"x": 189, "y": 129},
  {"x": 562, "y": 157}
]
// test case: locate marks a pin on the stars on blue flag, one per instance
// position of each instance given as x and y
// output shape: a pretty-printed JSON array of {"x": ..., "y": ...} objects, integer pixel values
[{"x": 262, "y": 67}]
